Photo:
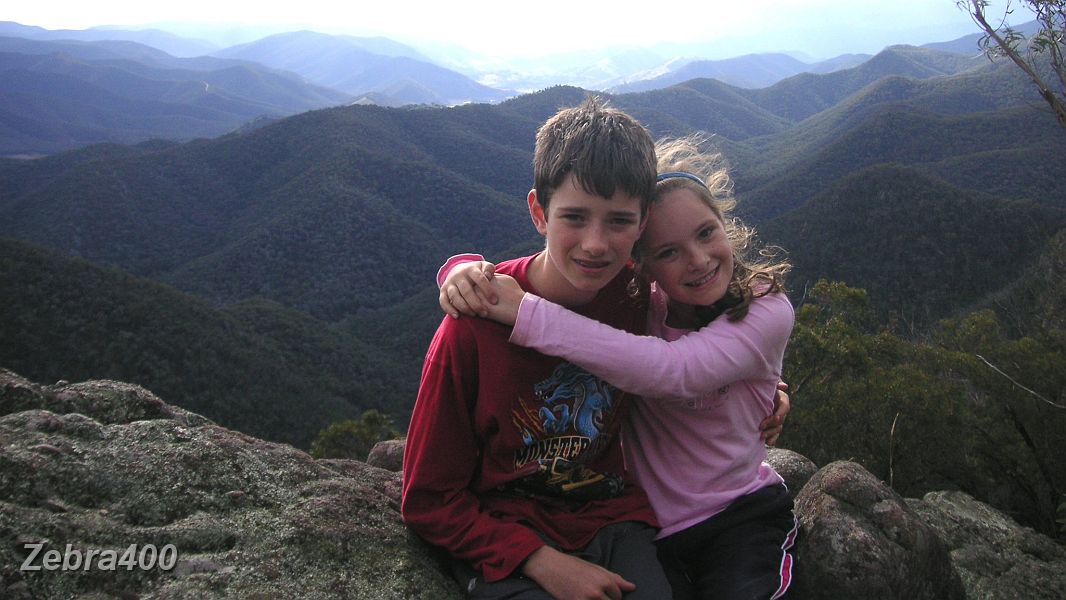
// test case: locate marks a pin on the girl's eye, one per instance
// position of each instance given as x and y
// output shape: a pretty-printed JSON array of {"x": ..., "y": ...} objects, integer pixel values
[
  {"x": 706, "y": 233},
  {"x": 665, "y": 254}
]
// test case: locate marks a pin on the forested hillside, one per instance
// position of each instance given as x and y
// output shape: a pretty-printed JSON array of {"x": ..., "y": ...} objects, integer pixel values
[
  {"x": 254, "y": 366},
  {"x": 327, "y": 212},
  {"x": 921, "y": 247}
]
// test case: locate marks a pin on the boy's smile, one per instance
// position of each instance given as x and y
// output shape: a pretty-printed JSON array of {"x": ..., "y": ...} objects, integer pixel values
[{"x": 589, "y": 240}]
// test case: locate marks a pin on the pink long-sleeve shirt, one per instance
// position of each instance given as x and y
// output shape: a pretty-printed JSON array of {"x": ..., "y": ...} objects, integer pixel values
[{"x": 693, "y": 442}]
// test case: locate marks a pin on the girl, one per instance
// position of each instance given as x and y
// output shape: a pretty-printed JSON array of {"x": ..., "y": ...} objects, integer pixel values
[{"x": 721, "y": 322}]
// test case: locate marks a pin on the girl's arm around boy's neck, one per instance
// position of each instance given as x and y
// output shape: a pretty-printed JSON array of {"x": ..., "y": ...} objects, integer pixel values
[{"x": 688, "y": 368}]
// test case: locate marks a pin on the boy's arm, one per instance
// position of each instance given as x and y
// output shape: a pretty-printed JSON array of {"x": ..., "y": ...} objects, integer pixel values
[
  {"x": 771, "y": 427},
  {"x": 565, "y": 576},
  {"x": 689, "y": 368},
  {"x": 440, "y": 461}
]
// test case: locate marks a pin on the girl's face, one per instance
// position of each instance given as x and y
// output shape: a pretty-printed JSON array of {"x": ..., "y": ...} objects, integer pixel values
[{"x": 687, "y": 252}]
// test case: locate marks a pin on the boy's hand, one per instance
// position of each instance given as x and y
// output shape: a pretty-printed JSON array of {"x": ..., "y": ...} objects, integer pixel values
[
  {"x": 467, "y": 290},
  {"x": 771, "y": 427},
  {"x": 568, "y": 577}
]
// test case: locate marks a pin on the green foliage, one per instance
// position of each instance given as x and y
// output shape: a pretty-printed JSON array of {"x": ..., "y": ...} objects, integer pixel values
[
  {"x": 944, "y": 413},
  {"x": 1016, "y": 388},
  {"x": 353, "y": 438}
]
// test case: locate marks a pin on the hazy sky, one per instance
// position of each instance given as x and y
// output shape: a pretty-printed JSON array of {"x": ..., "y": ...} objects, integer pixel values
[{"x": 818, "y": 27}]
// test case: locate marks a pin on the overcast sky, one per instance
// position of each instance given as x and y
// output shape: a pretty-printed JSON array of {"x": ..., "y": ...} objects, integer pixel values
[{"x": 821, "y": 28}]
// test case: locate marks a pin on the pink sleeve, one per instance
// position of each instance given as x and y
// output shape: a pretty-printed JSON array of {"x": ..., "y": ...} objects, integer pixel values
[
  {"x": 451, "y": 263},
  {"x": 690, "y": 367}
]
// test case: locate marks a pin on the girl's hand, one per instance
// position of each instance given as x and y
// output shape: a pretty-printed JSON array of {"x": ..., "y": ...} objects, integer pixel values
[
  {"x": 468, "y": 290},
  {"x": 771, "y": 427},
  {"x": 508, "y": 298}
]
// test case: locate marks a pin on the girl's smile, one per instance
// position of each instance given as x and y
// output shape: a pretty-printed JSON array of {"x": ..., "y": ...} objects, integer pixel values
[{"x": 689, "y": 255}]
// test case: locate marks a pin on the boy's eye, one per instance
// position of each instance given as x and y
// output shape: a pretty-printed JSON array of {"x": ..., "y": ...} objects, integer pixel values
[{"x": 623, "y": 221}]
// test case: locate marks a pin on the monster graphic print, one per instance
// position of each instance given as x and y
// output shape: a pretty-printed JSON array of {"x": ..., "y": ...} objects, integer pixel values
[{"x": 562, "y": 430}]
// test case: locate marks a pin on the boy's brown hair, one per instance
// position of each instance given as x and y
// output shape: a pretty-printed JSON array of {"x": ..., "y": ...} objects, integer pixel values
[{"x": 606, "y": 150}]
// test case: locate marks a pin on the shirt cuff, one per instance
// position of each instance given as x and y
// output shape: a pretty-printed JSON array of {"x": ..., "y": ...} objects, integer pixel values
[
  {"x": 451, "y": 263},
  {"x": 521, "y": 332}
]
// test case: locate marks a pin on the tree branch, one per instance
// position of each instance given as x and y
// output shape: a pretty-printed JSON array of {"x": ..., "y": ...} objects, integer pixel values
[
  {"x": 977, "y": 13},
  {"x": 1012, "y": 380}
]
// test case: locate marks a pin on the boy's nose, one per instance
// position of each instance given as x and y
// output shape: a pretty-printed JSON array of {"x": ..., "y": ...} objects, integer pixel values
[{"x": 595, "y": 241}]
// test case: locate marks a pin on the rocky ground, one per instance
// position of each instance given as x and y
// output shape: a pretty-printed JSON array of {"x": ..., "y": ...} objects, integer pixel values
[{"x": 107, "y": 469}]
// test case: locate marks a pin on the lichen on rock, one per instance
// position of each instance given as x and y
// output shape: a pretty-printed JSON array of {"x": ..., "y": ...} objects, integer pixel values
[{"x": 248, "y": 518}]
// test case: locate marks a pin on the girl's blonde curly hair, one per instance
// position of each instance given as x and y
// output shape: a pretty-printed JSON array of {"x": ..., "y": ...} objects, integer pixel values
[{"x": 756, "y": 271}]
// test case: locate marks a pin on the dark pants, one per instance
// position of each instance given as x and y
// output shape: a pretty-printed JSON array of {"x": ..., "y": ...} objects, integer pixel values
[
  {"x": 741, "y": 553},
  {"x": 625, "y": 548}
]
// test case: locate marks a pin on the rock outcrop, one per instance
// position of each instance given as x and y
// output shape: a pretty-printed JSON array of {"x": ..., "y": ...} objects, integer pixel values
[
  {"x": 859, "y": 539},
  {"x": 993, "y": 555},
  {"x": 98, "y": 467},
  {"x": 248, "y": 518},
  {"x": 387, "y": 455}
]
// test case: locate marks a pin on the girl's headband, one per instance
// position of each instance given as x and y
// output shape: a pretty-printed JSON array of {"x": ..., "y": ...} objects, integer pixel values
[{"x": 683, "y": 174}]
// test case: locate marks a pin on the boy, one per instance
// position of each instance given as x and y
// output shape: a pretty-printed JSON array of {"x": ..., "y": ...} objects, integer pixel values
[{"x": 513, "y": 462}]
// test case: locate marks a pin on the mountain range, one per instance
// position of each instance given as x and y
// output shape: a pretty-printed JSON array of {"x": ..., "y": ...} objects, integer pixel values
[
  {"x": 59, "y": 95},
  {"x": 748, "y": 71},
  {"x": 66, "y": 89},
  {"x": 359, "y": 66},
  {"x": 304, "y": 247},
  {"x": 170, "y": 43}
]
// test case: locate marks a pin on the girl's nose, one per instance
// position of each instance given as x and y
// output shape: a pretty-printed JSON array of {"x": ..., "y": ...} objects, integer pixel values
[{"x": 698, "y": 260}]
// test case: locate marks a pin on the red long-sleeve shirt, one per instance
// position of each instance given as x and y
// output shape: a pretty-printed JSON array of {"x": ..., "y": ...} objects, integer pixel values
[{"x": 506, "y": 443}]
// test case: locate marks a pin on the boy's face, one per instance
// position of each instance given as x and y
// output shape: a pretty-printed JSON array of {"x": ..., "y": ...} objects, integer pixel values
[{"x": 589, "y": 240}]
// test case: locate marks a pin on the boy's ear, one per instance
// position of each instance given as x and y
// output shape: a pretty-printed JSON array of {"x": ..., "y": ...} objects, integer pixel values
[{"x": 536, "y": 212}]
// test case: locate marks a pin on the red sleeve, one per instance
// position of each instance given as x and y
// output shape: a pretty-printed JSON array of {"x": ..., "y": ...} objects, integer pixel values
[{"x": 442, "y": 457}]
